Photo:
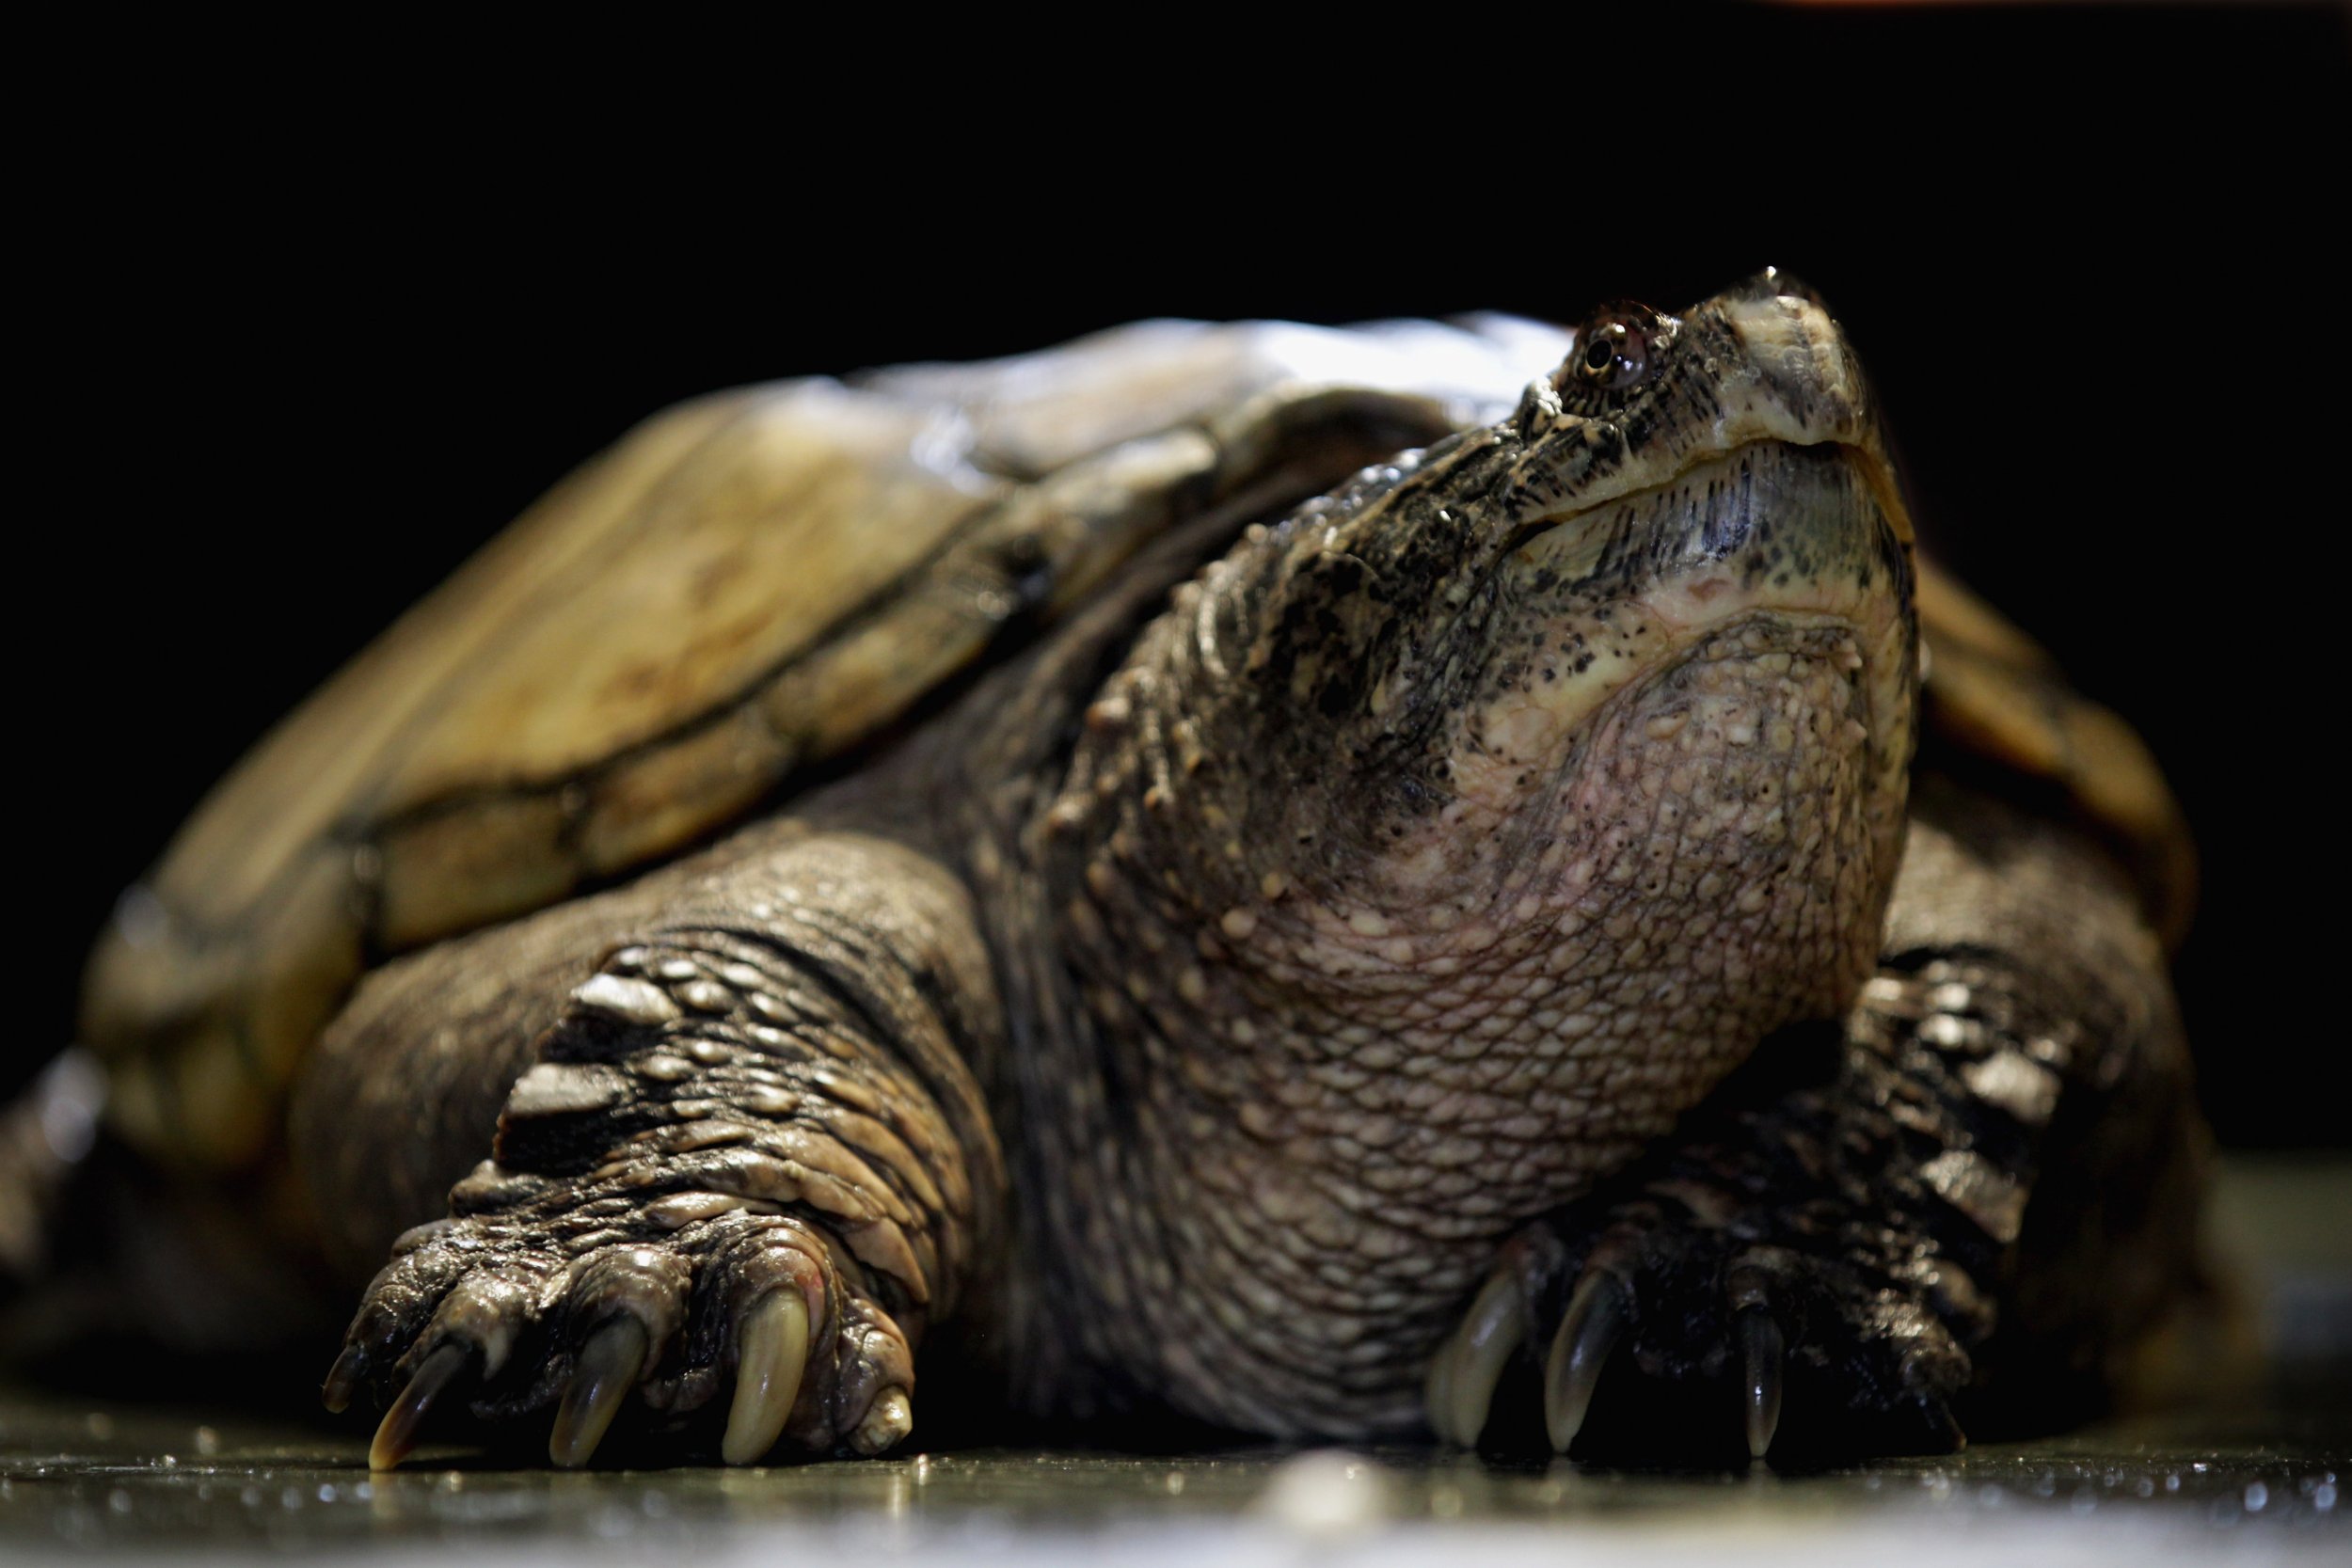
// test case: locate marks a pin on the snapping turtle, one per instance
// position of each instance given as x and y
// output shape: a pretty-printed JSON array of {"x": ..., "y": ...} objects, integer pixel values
[{"x": 1060, "y": 863}]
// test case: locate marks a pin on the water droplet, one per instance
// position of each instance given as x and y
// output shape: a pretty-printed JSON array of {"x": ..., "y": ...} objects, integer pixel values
[
  {"x": 2324, "y": 1495},
  {"x": 1331, "y": 1492},
  {"x": 141, "y": 918}
]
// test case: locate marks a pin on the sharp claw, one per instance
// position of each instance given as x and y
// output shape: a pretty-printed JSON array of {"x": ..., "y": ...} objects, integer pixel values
[
  {"x": 398, "y": 1433},
  {"x": 1436, "y": 1392},
  {"x": 1918, "y": 1370},
  {"x": 888, "y": 1419},
  {"x": 1588, "y": 1332},
  {"x": 342, "y": 1379},
  {"x": 773, "y": 1351},
  {"x": 1943, "y": 1423},
  {"x": 606, "y": 1371},
  {"x": 1766, "y": 1354},
  {"x": 1492, "y": 1329}
]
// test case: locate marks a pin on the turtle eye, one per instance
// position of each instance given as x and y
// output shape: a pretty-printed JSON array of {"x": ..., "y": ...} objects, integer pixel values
[{"x": 1612, "y": 353}]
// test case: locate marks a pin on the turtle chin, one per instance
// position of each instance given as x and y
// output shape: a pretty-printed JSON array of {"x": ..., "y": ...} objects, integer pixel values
[
  {"x": 1674, "y": 800},
  {"x": 1732, "y": 793}
]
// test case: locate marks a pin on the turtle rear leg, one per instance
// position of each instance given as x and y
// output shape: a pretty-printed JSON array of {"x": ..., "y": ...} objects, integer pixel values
[
  {"x": 740, "y": 1167},
  {"x": 114, "y": 1270}
]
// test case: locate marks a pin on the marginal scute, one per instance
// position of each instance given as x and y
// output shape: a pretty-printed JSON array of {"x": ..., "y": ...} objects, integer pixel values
[
  {"x": 803, "y": 506},
  {"x": 653, "y": 802},
  {"x": 198, "y": 1067},
  {"x": 448, "y": 869},
  {"x": 1039, "y": 552},
  {"x": 220, "y": 1098},
  {"x": 319, "y": 766},
  {"x": 1993, "y": 692}
]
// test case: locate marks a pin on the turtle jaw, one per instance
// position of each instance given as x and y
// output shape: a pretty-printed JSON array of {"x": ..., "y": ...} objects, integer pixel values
[
  {"x": 1690, "y": 739},
  {"x": 1595, "y": 605}
]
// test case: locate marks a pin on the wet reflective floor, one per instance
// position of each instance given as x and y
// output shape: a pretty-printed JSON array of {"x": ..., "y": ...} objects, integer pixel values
[
  {"x": 2260, "y": 1485},
  {"x": 2260, "y": 1479}
]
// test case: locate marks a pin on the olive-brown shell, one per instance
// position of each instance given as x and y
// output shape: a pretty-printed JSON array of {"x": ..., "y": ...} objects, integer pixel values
[
  {"x": 1993, "y": 694},
  {"x": 740, "y": 589}
]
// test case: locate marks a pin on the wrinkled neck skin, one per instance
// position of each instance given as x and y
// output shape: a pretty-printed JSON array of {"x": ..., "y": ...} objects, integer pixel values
[{"x": 1427, "y": 858}]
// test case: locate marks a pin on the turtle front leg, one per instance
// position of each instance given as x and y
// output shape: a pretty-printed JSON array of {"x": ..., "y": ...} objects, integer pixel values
[
  {"x": 1965, "y": 1208},
  {"x": 745, "y": 1168}
]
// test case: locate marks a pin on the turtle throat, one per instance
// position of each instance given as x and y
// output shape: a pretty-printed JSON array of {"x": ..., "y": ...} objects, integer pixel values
[{"x": 1352, "y": 1056}]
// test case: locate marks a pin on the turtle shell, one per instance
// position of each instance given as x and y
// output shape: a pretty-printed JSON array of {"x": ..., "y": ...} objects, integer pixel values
[
  {"x": 740, "y": 590},
  {"x": 754, "y": 583},
  {"x": 1994, "y": 701}
]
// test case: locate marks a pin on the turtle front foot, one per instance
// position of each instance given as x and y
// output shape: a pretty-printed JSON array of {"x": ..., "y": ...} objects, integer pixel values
[
  {"x": 709, "y": 1195},
  {"x": 1794, "y": 1280},
  {"x": 556, "y": 1304},
  {"x": 1676, "y": 1341}
]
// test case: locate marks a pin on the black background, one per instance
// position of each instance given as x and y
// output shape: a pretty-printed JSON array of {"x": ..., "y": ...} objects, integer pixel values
[{"x": 313, "y": 316}]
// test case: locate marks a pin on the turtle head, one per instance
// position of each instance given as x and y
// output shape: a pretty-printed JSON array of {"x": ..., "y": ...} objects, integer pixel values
[
  {"x": 1445, "y": 841},
  {"x": 1627, "y": 679}
]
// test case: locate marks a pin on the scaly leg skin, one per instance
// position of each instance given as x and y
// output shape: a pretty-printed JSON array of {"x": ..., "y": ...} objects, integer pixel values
[
  {"x": 1973, "y": 1216},
  {"x": 747, "y": 1167}
]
